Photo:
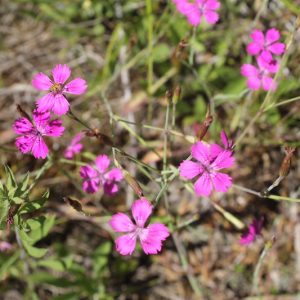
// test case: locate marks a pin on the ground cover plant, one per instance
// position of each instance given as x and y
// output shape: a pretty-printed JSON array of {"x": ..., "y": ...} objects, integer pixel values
[{"x": 149, "y": 149}]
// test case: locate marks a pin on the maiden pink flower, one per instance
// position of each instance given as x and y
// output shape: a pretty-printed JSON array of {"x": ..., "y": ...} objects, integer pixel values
[
  {"x": 98, "y": 175},
  {"x": 254, "y": 230},
  {"x": 55, "y": 100},
  {"x": 33, "y": 133},
  {"x": 265, "y": 43},
  {"x": 150, "y": 237},
  {"x": 210, "y": 159},
  {"x": 197, "y": 9},
  {"x": 75, "y": 146},
  {"x": 260, "y": 77}
]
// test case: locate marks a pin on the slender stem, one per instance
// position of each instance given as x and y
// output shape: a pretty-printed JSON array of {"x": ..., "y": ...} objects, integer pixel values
[
  {"x": 185, "y": 264},
  {"x": 150, "y": 55},
  {"x": 192, "y": 52},
  {"x": 283, "y": 102},
  {"x": 257, "y": 270},
  {"x": 74, "y": 117},
  {"x": 165, "y": 153}
]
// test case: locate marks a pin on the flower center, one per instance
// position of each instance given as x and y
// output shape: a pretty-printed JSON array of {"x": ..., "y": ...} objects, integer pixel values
[{"x": 56, "y": 88}]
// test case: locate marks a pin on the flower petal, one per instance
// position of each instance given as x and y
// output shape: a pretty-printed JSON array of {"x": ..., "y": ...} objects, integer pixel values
[
  {"x": 223, "y": 160},
  {"x": 41, "y": 82},
  {"x": 193, "y": 15},
  {"x": 114, "y": 174},
  {"x": 87, "y": 172},
  {"x": 258, "y": 37},
  {"x": 248, "y": 70},
  {"x": 39, "y": 148},
  {"x": 203, "y": 186},
  {"x": 189, "y": 169},
  {"x": 46, "y": 102},
  {"x": 141, "y": 210},
  {"x": 76, "y": 86},
  {"x": 211, "y": 17},
  {"x": 61, "y": 73},
  {"x": 212, "y": 4},
  {"x": 247, "y": 239},
  {"x": 253, "y": 83},
  {"x": 254, "y": 48},
  {"x": 151, "y": 239},
  {"x": 54, "y": 128},
  {"x": 110, "y": 188},
  {"x": 272, "y": 36},
  {"x": 201, "y": 152},
  {"x": 221, "y": 182},
  {"x": 25, "y": 143},
  {"x": 22, "y": 125},
  {"x": 91, "y": 181},
  {"x": 215, "y": 149},
  {"x": 277, "y": 48},
  {"x": 125, "y": 244},
  {"x": 121, "y": 223},
  {"x": 269, "y": 83},
  {"x": 102, "y": 163},
  {"x": 60, "y": 105}
]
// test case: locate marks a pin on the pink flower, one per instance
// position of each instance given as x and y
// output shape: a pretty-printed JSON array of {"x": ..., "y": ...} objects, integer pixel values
[
  {"x": 55, "y": 100},
  {"x": 260, "y": 77},
  {"x": 268, "y": 43},
  {"x": 75, "y": 147},
  {"x": 254, "y": 230},
  {"x": 150, "y": 236},
  {"x": 5, "y": 246},
  {"x": 98, "y": 175},
  {"x": 33, "y": 133},
  {"x": 210, "y": 160},
  {"x": 197, "y": 9}
]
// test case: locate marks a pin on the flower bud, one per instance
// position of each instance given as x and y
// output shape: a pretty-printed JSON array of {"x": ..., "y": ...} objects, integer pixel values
[
  {"x": 286, "y": 162},
  {"x": 176, "y": 95}
]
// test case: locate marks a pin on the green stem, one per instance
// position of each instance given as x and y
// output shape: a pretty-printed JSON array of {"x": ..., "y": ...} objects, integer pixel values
[
  {"x": 150, "y": 55},
  {"x": 257, "y": 270},
  {"x": 192, "y": 52}
]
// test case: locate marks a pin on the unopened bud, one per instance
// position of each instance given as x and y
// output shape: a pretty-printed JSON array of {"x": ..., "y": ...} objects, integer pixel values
[
  {"x": 22, "y": 112},
  {"x": 176, "y": 95},
  {"x": 103, "y": 138},
  {"x": 133, "y": 184},
  {"x": 286, "y": 163},
  {"x": 169, "y": 95},
  {"x": 203, "y": 127}
]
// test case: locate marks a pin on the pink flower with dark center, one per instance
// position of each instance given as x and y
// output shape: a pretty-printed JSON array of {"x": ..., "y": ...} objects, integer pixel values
[
  {"x": 197, "y": 9},
  {"x": 33, "y": 133},
  {"x": 75, "y": 146},
  {"x": 150, "y": 237},
  {"x": 265, "y": 43},
  {"x": 254, "y": 230},
  {"x": 5, "y": 246},
  {"x": 258, "y": 77},
  {"x": 210, "y": 159},
  {"x": 55, "y": 100},
  {"x": 98, "y": 175}
]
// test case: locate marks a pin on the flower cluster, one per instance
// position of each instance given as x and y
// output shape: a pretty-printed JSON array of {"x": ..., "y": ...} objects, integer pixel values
[
  {"x": 197, "y": 9},
  {"x": 210, "y": 159},
  {"x": 263, "y": 47},
  {"x": 99, "y": 175},
  {"x": 33, "y": 130}
]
